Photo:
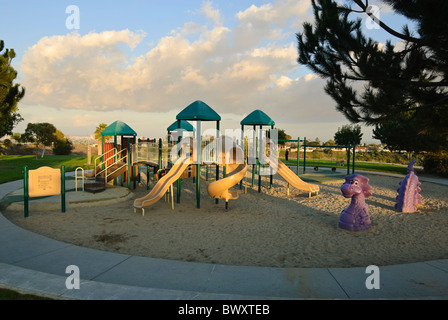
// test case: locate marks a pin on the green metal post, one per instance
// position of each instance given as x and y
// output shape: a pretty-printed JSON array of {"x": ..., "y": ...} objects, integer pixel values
[
  {"x": 259, "y": 144},
  {"x": 25, "y": 192},
  {"x": 244, "y": 154},
  {"x": 160, "y": 153},
  {"x": 138, "y": 174},
  {"x": 102, "y": 152},
  {"x": 198, "y": 165},
  {"x": 253, "y": 174},
  {"x": 348, "y": 158},
  {"x": 254, "y": 164},
  {"x": 63, "y": 188},
  {"x": 147, "y": 177},
  {"x": 304, "y": 155},
  {"x": 178, "y": 180},
  {"x": 353, "y": 164},
  {"x": 198, "y": 186},
  {"x": 298, "y": 155},
  {"x": 129, "y": 164},
  {"x": 135, "y": 174},
  {"x": 115, "y": 156},
  {"x": 218, "y": 151},
  {"x": 270, "y": 167}
]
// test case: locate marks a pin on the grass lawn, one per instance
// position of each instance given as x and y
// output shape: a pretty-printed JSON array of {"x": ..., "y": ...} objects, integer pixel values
[
  {"x": 7, "y": 294},
  {"x": 11, "y": 167}
]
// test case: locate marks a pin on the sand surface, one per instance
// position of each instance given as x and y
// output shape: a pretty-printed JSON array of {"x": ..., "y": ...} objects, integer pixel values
[{"x": 267, "y": 229}]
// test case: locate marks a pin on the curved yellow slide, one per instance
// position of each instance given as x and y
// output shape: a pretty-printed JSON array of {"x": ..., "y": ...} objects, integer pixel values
[
  {"x": 164, "y": 183},
  {"x": 220, "y": 188},
  {"x": 294, "y": 180}
]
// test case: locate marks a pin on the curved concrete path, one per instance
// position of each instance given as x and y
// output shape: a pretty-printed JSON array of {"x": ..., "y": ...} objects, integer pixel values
[{"x": 33, "y": 263}]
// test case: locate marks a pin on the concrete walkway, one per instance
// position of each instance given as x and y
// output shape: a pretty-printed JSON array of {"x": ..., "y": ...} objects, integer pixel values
[{"x": 36, "y": 264}]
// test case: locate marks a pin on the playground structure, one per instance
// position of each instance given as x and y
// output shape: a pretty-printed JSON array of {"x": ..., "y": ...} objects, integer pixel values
[
  {"x": 115, "y": 160},
  {"x": 236, "y": 168},
  {"x": 166, "y": 182},
  {"x": 122, "y": 162},
  {"x": 257, "y": 154},
  {"x": 294, "y": 180}
]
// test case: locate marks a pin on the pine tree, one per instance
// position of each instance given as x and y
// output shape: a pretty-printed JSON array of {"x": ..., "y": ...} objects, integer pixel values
[
  {"x": 373, "y": 83},
  {"x": 10, "y": 93}
]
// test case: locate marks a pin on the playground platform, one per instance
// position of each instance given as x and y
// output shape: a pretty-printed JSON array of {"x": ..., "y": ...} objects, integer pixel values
[{"x": 36, "y": 264}]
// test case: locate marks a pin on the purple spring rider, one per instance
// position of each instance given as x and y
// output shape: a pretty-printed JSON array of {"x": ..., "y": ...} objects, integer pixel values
[
  {"x": 356, "y": 216},
  {"x": 409, "y": 197}
]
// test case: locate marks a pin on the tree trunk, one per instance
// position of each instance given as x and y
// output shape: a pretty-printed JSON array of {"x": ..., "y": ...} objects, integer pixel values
[{"x": 100, "y": 147}]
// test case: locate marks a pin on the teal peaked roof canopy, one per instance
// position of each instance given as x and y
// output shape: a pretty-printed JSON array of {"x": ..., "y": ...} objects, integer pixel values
[
  {"x": 258, "y": 117},
  {"x": 118, "y": 128},
  {"x": 185, "y": 125},
  {"x": 198, "y": 110}
]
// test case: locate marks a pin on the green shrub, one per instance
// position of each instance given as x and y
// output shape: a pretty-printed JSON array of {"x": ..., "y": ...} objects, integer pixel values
[
  {"x": 436, "y": 163},
  {"x": 7, "y": 143},
  {"x": 63, "y": 147}
]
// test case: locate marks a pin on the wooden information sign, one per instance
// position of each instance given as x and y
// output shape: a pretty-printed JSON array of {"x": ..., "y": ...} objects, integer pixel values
[{"x": 44, "y": 181}]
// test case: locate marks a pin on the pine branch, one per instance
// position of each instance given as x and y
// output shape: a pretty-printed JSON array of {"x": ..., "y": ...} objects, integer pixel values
[{"x": 367, "y": 10}]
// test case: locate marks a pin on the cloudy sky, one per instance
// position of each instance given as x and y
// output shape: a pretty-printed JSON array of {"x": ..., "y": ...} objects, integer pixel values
[{"x": 143, "y": 61}]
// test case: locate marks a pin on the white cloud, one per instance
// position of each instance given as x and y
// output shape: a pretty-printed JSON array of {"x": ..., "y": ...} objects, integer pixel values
[
  {"x": 84, "y": 120},
  {"x": 236, "y": 70},
  {"x": 211, "y": 13},
  {"x": 284, "y": 82},
  {"x": 280, "y": 12},
  {"x": 310, "y": 76}
]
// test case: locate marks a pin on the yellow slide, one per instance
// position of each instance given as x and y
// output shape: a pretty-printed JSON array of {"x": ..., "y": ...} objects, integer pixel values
[
  {"x": 164, "y": 183},
  {"x": 293, "y": 179},
  {"x": 236, "y": 170},
  {"x": 220, "y": 188}
]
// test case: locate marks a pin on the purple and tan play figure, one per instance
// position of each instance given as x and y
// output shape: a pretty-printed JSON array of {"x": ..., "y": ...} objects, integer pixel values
[
  {"x": 356, "y": 216},
  {"x": 409, "y": 196}
]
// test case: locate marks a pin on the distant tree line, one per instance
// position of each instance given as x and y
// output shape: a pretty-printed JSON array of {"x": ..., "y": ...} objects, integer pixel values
[{"x": 44, "y": 135}]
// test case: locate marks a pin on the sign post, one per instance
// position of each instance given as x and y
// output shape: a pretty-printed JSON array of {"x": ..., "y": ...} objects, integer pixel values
[
  {"x": 25, "y": 191},
  {"x": 42, "y": 182}
]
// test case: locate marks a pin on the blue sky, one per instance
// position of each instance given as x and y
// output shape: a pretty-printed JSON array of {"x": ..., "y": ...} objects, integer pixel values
[{"x": 143, "y": 61}]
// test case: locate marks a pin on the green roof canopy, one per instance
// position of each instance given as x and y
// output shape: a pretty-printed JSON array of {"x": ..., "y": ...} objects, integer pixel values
[
  {"x": 198, "y": 110},
  {"x": 118, "y": 128},
  {"x": 258, "y": 117},
  {"x": 185, "y": 125}
]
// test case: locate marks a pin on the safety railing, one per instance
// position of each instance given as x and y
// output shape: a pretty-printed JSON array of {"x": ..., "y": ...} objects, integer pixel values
[
  {"x": 107, "y": 167},
  {"x": 152, "y": 152},
  {"x": 76, "y": 178},
  {"x": 99, "y": 160}
]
